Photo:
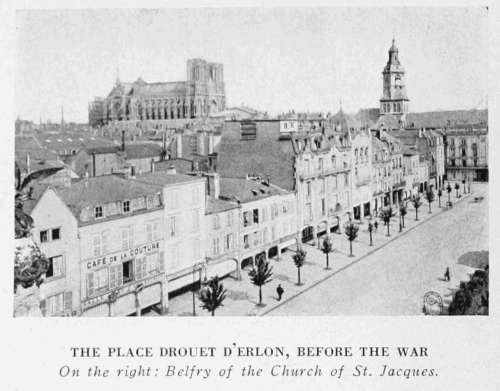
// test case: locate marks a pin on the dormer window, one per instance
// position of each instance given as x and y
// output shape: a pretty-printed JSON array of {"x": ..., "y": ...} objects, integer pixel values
[
  {"x": 126, "y": 206},
  {"x": 98, "y": 212}
]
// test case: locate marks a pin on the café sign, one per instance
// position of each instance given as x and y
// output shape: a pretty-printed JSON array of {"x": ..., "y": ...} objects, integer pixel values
[{"x": 123, "y": 255}]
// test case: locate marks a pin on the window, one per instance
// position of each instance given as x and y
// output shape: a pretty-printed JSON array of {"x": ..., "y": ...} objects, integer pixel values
[
  {"x": 229, "y": 219},
  {"x": 97, "y": 281},
  {"x": 55, "y": 267},
  {"x": 141, "y": 268},
  {"x": 320, "y": 164},
  {"x": 322, "y": 188},
  {"x": 309, "y": 191},
  {"x": 216, "y": 221},
  {"x": 309, "y": 215},
  {"x": 334, "y": 162},
  {"x": 346, "y": 178},
  {"x": 152, "y": 231},
  {"x": 128, "y": 237},
  {"x": 215, "y": 246},
  {"x": 55, "y": 304},
  {"x": 98, "y": 212},
  {"x": 172, "y": 226},
  {"x": 323, "y": 207},
  {"x": 228, "y": 241},
  {"x": 256, "y": 216},
  {"x": 246, "y": 243},
  {"x": 115, "y": 276},
  {"x": 126, "y": 206},
  {"x": 273, "y": 232},
  {"x": 246, "y": 219},
  {"x": 96, "y": 243},
  {"x": 56, "y": 233},
  {"x": 195, "y": 220},
  {"x": 256, "y": 238},
  {"x": 44, "y": 236}
]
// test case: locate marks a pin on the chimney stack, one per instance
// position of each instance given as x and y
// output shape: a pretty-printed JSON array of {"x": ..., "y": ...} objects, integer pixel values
[{"x": 213, "y": 183}]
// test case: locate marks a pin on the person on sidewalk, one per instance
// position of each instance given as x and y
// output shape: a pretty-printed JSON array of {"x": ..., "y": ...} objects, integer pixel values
[
  {"x": 376, "y": 225},
  {"x": 280, "y": 291},
  {"x": 447, "y": 274}
]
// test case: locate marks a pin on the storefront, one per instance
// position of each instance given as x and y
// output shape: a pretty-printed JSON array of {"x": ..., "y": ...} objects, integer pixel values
[{"x": 125, "y": 282}]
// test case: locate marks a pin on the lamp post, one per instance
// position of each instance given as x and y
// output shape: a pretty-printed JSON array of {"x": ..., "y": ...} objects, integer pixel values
[{"x": 196, "y": 267}]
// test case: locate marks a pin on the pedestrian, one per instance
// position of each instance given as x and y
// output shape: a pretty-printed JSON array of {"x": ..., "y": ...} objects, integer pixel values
[
  {"x": 376, "y": 225},
  {"x": 279, "y": 291},
  {"x": 447, "y": 274}
]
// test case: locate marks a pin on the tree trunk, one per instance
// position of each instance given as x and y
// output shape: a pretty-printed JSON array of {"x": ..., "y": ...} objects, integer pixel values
[
  {"x": 213, "y": 312},
  {"x": 439, "y": 200},
  {"x": 350, "y": 246},
  {"x": 298, "y": 276},
  {"x": 327, "y": 262},
  {"x": 449, "y": 195},
  {"x": 403, "y": 219},
  {"x": 260, "y": 295},
  {"x": 430, "y": 208},
  {"x": 388, "y": 226},
  {"x": 371, "y": 241},
  {"x": 416, "y": 214}
]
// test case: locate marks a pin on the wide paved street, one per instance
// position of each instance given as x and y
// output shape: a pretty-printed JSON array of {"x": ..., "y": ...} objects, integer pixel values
[{"x": 393, "y": 280}]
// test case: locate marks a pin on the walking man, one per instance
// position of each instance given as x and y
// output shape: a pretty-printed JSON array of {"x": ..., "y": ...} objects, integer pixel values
[
  {"x": 279, "y": 291},
  {"x": 447, "y": 274}
]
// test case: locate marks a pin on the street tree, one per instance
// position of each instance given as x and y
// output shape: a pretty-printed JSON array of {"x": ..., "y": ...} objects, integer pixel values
[
  {"x": 463, "y": 183},
  {"x": 429, "y": 196},
  {"x": 351, "y": 230},
  {"x": 416, "y": 204},
  {"x": 299, "y": 258},
  {"x": 386, "y": 214},
  {"x": 327, "y": 248},
  {"x": 261, "y": 274},
  {"x": 212, "y": 295},
  {"x": 440, "y": 194},
  {"x": 403, "y": 211}
]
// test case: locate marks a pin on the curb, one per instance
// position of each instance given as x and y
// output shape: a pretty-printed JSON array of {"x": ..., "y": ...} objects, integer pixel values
[{"x": 328, "y": 276}]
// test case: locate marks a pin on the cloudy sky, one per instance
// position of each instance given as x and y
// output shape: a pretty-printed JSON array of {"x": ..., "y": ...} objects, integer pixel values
[{"x": 274, "y": 59}]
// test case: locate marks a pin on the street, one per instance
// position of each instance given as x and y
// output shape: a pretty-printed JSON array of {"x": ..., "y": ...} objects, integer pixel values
[{"x": 393, "y": 280}]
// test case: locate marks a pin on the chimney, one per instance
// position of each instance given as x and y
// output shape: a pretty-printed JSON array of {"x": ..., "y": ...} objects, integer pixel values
[
  {"x": 171, "y": 170},
  {"x": 28, "y": 164},
  {"x": 178, "y": 144},
  {"x": 123, "y": 141},
  {"x": 93, "y": 164},
  {"x": 213, "y": 183}
]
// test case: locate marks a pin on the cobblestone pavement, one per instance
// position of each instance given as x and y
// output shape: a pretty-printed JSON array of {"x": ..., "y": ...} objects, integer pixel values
[{"x": 389, "y": 278}]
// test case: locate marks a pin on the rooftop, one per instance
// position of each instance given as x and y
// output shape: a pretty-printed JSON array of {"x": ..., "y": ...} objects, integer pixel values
[
  {"x": 247, "y": 190},
  {"x": 216, "y": 205},
  {"x": 163, "y": 179}
]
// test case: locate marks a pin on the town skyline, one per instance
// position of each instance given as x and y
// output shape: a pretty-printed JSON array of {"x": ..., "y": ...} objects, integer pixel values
[{"x": 432, "y": 56}]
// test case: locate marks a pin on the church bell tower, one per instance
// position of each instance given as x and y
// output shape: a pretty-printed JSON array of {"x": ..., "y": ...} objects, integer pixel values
[{"x": 394, "y": 100}]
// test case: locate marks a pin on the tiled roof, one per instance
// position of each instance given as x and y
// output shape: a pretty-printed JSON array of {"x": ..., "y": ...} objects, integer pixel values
[
  {"x": 141, "y": 88},
  {"x": 216, "y": 205},
  {"x": 267, "y": 155},
  {"x": 132, "y": 151},
  {"x": 247, "y": 190},
  {"x": 162, "y": 178},
  {"x": 440, "y": 119},
  {"x": 102, "y": 190},
  {"x": 71, "y": 140}
]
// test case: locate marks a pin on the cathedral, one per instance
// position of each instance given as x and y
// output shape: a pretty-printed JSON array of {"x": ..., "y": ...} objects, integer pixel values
[{"x": 203, "y": 94}]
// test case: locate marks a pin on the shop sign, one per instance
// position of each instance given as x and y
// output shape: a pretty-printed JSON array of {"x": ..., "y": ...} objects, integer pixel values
[{"x": 122, "y": 255}]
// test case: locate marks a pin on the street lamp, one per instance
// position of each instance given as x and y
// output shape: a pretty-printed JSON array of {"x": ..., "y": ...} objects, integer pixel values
[{"x": 196, "y": 267}]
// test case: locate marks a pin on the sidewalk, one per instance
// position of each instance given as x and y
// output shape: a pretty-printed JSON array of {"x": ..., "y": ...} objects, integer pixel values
[{"x": 242, "y": 296}]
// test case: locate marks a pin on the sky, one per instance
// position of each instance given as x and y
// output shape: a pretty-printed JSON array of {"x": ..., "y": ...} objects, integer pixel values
[{"x": 275, "y": 59}]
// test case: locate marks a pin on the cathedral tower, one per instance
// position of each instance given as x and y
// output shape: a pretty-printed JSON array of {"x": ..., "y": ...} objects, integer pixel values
[{"x": 394, "y": 100}]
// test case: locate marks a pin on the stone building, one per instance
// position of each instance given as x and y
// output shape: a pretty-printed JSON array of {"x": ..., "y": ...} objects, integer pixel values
[{"x": 201, "y": 95}]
